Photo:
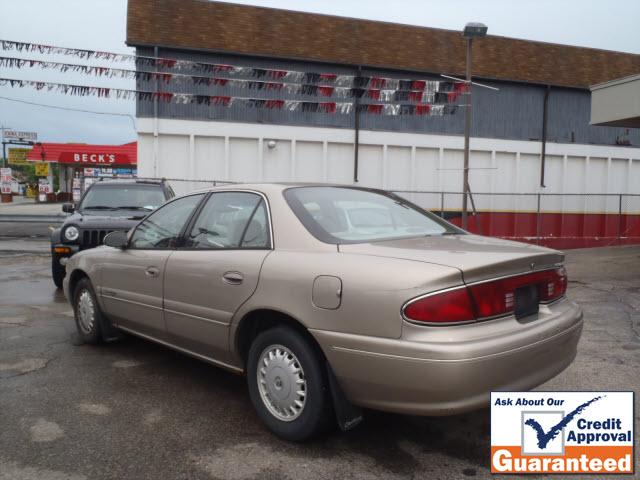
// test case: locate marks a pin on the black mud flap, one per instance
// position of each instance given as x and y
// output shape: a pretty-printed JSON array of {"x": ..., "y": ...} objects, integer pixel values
[
  {"x": 108, "y": 332},
  {"x": 347, "y": 414}
]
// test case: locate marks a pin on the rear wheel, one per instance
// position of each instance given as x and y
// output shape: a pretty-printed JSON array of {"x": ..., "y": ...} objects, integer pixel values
[
  {"x": 288, "y": 385},
  {"x": 57, "y": 271},
  {"x": 87, "y": 312}
]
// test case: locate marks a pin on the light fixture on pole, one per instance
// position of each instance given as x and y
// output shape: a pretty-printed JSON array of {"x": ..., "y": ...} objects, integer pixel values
[{"x": 471, "y": 30}]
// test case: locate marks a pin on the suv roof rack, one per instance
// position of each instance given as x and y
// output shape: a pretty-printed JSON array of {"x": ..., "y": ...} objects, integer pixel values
[{"x": 152, "y": 181}]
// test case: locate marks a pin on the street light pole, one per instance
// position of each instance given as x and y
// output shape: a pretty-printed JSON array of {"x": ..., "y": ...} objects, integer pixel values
[
  {"x": 4, "y": 146},
  {"x": 471, "y": 31},
  {"x": 467, "y": 132}
]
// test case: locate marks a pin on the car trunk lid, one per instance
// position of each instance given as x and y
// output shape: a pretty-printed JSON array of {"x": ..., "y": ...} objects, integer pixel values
[{"x": 478, "y": 258}]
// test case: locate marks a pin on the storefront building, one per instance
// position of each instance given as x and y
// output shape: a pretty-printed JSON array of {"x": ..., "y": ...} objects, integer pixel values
[
  {"x": 265, "y": 104},
  {"x": 82, "y": 164}
]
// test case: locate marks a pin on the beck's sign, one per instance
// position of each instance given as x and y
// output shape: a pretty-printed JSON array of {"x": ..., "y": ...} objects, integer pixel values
[
  {"x": 562, "y": 432},
  {"x": 96, "y": 158}
]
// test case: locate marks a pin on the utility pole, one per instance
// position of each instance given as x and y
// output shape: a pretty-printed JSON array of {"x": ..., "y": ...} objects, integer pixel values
[
  {"x": 471, "y": 31},
  {"x": 4, "y": 145},
  {"x": 467, "y": 133}
]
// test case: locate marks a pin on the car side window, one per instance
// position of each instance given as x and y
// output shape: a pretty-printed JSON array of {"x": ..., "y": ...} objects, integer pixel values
[
  {"x": 231, "y": 220},
  {"x": 162, "y": 228}
]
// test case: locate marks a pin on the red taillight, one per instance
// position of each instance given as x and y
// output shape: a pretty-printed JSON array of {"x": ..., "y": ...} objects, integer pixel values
[
  {"x": 555, "y": 285},
  {"x": 484, "y": 300},
  {"x": 450, "y": 306}
]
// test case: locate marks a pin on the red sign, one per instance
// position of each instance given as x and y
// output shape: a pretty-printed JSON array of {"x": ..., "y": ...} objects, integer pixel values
[
  {"x": 85, "y": 155},
  {"x": 96, "y": 158}
]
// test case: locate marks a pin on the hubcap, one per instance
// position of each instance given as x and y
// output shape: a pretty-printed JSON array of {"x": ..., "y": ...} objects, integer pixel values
[
  {"x": 86, "y": 311},
  {"x": 281, "y": 383}
]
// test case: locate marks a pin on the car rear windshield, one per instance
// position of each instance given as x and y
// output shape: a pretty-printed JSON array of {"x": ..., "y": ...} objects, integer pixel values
[
  {"x": 134, "y": 196},
  {"x": 354, "y": 215}
]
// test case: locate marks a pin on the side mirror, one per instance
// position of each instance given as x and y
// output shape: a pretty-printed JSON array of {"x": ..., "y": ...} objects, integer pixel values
[
  {"x": 117, "y": 239},
  {"x": 68, "y": 208}
]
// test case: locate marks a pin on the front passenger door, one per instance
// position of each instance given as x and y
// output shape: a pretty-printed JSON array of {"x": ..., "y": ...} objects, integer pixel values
[
  {"x": 216, "y": 271},
  {"x": 132, "y": 278}
]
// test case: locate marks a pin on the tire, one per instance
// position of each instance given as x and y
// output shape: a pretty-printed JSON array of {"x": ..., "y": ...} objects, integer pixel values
[
  {"x": 270, "y": 385},
  {"x": 87, "y": 313},
  {"x": 58, "y": 271}
]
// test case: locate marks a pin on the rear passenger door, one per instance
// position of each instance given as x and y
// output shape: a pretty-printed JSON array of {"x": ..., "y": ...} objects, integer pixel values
[{"x": 216, "y": 270}]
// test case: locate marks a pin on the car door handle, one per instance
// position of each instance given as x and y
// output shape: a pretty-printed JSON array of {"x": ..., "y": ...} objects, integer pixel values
[
  {"x": 232, "y": 278},
  {"x": 152, "y": 271}
]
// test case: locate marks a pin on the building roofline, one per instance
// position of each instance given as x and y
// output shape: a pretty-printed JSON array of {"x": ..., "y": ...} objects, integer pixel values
[{"x": 246, "y": 30}]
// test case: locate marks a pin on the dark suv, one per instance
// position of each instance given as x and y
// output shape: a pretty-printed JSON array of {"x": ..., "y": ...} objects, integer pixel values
[{"x": 105, "y": 207}]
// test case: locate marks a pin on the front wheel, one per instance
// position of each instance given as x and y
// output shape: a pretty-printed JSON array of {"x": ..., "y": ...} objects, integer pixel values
[
  {"x": 87, "y": 312},
  {"x": 288, "y": 385},
  {"x": 57, "y": 271}
]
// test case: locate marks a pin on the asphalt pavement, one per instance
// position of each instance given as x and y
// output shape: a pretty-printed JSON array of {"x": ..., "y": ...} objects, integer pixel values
[
  {"x": 28, "y": 230},
  {"x": 132, "y": 409}
]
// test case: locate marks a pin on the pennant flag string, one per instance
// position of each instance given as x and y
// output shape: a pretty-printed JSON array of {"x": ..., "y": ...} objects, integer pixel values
[
  {"x": 287, "y": 76},
  {"x": 228, "y": 101},
  {"x": 385, "y": 95}
]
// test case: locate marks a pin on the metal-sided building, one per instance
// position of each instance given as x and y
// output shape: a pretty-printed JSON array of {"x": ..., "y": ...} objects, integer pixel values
[{"x": 542, "y": 105}]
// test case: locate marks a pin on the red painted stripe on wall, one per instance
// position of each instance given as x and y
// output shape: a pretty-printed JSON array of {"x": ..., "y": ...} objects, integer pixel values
[{"x": 558, "y": 230}]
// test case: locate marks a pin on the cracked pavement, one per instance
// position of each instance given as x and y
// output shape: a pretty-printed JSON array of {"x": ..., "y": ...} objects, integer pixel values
[{"x": 132, "y": 409}]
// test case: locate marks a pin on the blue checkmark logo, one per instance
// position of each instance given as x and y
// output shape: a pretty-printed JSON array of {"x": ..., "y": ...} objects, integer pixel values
[{"x": 545, "y": 437}]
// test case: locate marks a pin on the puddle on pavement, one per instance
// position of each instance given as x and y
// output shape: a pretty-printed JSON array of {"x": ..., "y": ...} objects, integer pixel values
[{"x": 29, "y": 291}]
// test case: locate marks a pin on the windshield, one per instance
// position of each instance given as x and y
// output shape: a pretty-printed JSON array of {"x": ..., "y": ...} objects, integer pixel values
[
  {"x": 114, "y": 197},
  {"x": 350, "y": 215}
]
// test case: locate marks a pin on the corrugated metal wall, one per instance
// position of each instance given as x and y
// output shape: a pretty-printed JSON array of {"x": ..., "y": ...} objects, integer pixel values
[{"x": 514, "y": 113}]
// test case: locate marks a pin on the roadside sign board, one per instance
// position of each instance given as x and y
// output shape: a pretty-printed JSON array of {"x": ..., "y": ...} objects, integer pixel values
[
  {"x": 5, "y": 180},
  {"x": 21, "y": 136},
  {"x": 42, "y": 169},
  {"x": 5, "y": 175},
  {"x": 18, "y": 156},
  {"x": 44, "y": 186}
]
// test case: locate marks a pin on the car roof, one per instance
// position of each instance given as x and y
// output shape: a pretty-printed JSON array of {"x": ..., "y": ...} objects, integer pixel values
[
  {"x": 274, "y": 186},
  {"x": 128, "y": 181}
]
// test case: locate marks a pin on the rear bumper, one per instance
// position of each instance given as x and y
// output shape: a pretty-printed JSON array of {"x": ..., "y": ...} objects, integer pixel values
[{"x": 449, "y": 370}]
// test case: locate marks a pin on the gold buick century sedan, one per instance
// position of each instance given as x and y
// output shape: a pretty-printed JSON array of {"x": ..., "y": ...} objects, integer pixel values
[{"x": 331, "y": 299}]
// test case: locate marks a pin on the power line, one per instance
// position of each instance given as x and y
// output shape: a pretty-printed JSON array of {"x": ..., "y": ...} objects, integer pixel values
[{"x": 133, "y": 123}]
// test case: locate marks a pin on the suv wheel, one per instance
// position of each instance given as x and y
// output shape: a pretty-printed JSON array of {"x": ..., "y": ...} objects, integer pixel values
[
  {"x": 87, "y": 312},
  {"x": 288, "y": 384},
  {"x": 57, "y": 271}
]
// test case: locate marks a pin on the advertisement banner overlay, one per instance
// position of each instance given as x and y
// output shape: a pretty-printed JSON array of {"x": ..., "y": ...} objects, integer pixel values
[{"x": 562, "y": 432}]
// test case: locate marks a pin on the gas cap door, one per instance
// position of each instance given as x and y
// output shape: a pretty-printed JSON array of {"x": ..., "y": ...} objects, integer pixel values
[{"x": 327, "y": 292}]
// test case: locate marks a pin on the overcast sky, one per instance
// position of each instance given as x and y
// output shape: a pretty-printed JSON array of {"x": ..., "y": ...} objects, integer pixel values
[{"x": 101, "y": 25}]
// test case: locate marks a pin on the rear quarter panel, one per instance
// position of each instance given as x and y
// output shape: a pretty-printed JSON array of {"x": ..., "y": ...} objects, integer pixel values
[{"x": 373, "y": 290}]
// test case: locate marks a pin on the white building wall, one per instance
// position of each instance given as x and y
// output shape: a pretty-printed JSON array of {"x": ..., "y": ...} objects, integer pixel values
[{"x": 240, "y": 152}]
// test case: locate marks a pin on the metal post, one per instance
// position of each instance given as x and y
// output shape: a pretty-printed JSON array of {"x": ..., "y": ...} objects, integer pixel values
[
  {"x": 545, "y": 115},
  {"x": 155, "y": 113},
  {"x": 356, "y": 151},
  {"x": 538, "y": 222},
  {"x": 620, "y": 219},
  {"x": 467, "y": 132},
  {"x": 4, "y": 153},
  {"x": 441, "y": 204}
]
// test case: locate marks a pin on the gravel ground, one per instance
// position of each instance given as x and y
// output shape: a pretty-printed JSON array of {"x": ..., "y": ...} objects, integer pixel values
[{"x": 136, "y": 410}]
